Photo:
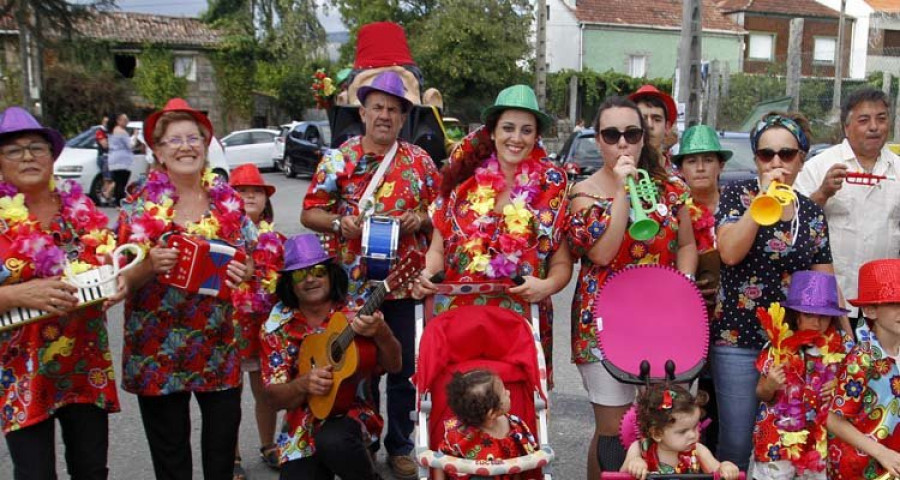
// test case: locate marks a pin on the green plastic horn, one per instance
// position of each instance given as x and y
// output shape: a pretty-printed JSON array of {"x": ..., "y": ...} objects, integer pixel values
[{"x": 643, "y": 227}]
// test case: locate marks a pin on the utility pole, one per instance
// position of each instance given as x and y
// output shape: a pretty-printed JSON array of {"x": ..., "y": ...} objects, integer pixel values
[
  {"x": 540, "y": 80},
  {"x": 839, "y": 65},
  {"x": 690, "y": 84},
  {"x": 794, "y": 63}
]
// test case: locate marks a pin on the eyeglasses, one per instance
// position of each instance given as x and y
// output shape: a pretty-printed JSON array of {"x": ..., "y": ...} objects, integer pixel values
[
  {"x": 317, "y": 271},
  {"x": 611, "y": 135},
  {"x": 177, "y": 142},
  {"x": 17, "y": 152},
  {"x": 785, "y": 154}
]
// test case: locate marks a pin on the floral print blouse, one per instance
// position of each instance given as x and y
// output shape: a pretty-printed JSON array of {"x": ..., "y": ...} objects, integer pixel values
[
  {"x": 410, "y": 184},
  {"x": 253, "y": 300},
  {"x": 471, "y": 443},
  {"x": 280, "y": 340},
  {"x": 866, "y": 395},
  {"x": 62, "y": 360},
  {"x": 763, "y": 277},
  {"x": 586, "y": 228}
]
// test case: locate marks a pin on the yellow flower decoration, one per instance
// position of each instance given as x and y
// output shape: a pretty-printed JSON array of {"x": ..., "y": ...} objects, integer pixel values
[
  {"x": 794, "y": 438},
  {"x": 518, "y": 218},
  {"x": 481, "y": 200},
  {"x": 106, "y": 243},
  {"x": 776, "y": 311},
  {"x": 164, "y": 210},
  {"x": 13, "y": 209},
  {"x": 479, "y": 262},
  {"x": 77, "y": 267},
  {"x": 207, "y": 227},
  {"x": 270, "y": 282},
  {"x": 208, "y": 177}
]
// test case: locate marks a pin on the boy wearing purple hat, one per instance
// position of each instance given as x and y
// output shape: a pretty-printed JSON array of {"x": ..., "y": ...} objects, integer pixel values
[
  {"x": 796, "y": 382},
  {"x": 311, "y": 289},
  {"x": 377, "y": 174}
]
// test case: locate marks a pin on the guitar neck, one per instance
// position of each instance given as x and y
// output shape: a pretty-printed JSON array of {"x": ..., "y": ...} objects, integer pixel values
[{"x": 375, "y": 300}]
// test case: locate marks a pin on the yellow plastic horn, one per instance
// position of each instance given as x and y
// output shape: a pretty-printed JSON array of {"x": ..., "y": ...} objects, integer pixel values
[{"x": 766, "y": 208}]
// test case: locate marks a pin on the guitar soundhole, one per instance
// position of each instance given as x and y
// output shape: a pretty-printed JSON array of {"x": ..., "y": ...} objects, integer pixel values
[{"x": 337, "y": 353}]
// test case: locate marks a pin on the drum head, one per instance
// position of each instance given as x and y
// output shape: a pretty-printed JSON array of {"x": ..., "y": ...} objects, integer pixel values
[{"x": 651, "y": 313}]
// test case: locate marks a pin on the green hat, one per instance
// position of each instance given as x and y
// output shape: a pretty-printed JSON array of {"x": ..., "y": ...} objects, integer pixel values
[
  {"x": 700, "y": 139},
  {"x": 520, "y": 97},
  {"x": 342, "y": 75}
]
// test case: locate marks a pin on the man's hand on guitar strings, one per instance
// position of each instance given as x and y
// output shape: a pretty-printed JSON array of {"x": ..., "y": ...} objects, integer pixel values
[{"x": 318, "y": 381}]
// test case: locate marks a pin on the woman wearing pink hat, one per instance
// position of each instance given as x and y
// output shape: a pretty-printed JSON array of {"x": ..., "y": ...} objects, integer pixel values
[
  {"x": 254, "y": 299},
  {"x": 176, "y": 343},
  {"x": 59, "y": 368}
]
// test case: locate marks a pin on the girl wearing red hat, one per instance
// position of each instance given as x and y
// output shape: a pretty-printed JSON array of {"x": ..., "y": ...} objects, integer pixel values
[
  {"x": 254, "y": 299},
  {"x": 178, "y": 344},
  {"x": 864, "y": 417}
]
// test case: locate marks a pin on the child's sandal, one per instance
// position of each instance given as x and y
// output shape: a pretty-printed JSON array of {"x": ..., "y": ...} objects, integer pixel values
[{"x": 270, "y": 456}]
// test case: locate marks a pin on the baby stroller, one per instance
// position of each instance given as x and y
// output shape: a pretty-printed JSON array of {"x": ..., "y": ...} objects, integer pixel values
[
  {"x": 671, "y": 333},
  {"x": 489, "y": 337}
]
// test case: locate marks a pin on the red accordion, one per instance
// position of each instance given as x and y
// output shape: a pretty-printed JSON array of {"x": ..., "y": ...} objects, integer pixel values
[{"x": 202, "y": 265}]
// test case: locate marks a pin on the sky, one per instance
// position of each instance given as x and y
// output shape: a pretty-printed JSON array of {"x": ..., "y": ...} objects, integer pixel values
[{"x": 192, "y": 8}]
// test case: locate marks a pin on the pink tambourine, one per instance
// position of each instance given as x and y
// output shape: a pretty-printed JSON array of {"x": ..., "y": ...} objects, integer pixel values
[{"x": 651, "y": 315}]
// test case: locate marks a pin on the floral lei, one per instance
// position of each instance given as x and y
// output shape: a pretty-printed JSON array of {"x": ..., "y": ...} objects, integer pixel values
[
  {"x": 33, "y": 252},
  {"x": 257, "y": 295},
  {"x": 517, "y": 217},
  {"x": 792, "y": 407},
  {"x": 223, "y": 222}
]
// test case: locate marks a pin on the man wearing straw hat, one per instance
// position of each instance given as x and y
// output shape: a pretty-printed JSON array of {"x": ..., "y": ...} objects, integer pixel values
[{"x": 377, "y": 174}]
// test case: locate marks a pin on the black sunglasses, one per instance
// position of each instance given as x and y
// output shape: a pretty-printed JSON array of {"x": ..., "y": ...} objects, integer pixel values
[
  {"x": 612, "y": 135},
  {"x": 785, "y": 154}
]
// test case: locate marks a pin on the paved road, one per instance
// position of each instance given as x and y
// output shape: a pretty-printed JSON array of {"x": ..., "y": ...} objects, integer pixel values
[{"x": 570, "y": 416}]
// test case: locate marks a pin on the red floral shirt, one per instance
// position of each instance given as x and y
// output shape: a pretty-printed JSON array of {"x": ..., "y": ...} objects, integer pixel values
[
  {"x": 62, "y": 360},
  {"x": 410, "y": 184},
  {"x": 586, "y": 228},
  {"x": 687, "y": 460},
  {"x": 459, "y": 224},
  {"x": 281, "y": 336},
  {"x": 254, "y": 299},
  {"x": 473, "y": 444}
]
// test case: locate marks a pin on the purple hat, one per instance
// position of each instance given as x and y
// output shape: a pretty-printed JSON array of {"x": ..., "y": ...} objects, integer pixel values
[
  {"x": 304, "y": 250},
  {"x": 18, "y": 120},
  {"x": 814, "y": 293},
  {"x": 388, "y": 82}
]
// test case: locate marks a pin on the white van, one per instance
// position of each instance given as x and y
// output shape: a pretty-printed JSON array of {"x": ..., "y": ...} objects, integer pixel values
[{"x": 78, "y": 160}]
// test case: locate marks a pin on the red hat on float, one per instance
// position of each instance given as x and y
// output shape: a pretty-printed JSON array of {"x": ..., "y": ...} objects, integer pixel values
[
  {"x": 665, "y": 98},
  {"x": 247, "y": 175},
  {"x": 176, "y": 105},
  {"x": 381, "y": 44}
]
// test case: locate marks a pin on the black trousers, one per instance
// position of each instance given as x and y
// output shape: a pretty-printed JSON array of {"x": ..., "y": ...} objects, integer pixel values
[
  {"x": 121, "y": 178},
  {"x": 85, "y": 432},
  {"x": 167, "y": 423},
  {"x": 340, "y": 450}
]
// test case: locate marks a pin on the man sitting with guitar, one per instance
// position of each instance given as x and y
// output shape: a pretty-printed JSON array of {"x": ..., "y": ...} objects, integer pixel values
[{"x": 313, "y": 359}]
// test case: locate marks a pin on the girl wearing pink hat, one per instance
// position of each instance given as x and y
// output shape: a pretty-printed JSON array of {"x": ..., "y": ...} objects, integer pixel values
[
  {"x": 864, "y": 416},
  {"x": 254, "y": 299}
]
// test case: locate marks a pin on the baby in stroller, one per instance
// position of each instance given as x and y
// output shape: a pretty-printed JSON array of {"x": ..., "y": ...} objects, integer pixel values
[{"x": 482, "y": 427}]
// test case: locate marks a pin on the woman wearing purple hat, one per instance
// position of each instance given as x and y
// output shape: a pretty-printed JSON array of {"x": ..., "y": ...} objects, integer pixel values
[
  {"x": 58, "y": 368},
  {"x": 312, "y": 288},
  {"x": 178, "y": 344}
]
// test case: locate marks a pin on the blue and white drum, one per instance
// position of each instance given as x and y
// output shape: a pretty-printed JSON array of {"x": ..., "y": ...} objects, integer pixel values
[{"x": 380, "y": 236}]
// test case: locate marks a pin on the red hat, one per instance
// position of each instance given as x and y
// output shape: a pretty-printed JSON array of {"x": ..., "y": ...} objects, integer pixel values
[
  {"x": 247, "y": 175},
  {"x": 879, "y": 282},
  {"x": 668, "y": 101},
  {"x": 176, "y": 105},
  {"x": 381, "y": 44}
]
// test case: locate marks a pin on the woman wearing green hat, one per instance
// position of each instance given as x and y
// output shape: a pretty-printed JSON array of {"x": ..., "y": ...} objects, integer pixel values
[{"x": 502, "y": 210}]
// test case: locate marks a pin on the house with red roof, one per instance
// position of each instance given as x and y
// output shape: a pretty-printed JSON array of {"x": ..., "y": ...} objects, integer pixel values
[
  {"x": 636, "y": 37},
  {"x": 767, "y": 23}
]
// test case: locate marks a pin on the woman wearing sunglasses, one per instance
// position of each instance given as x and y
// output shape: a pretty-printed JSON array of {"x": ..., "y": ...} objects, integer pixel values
[
  {"x": 311, "y": 289},
  {"x": 599, "y": 236},
  {"x": 758, "y": 262},
  {"x": 177, "y": 344}
]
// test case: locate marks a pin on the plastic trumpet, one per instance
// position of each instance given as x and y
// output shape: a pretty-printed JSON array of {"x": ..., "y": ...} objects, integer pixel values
[
  {"x": 643, "y": 227},
  {"x": 767, "y": 207},
  {"x": 867, "y": 179}
]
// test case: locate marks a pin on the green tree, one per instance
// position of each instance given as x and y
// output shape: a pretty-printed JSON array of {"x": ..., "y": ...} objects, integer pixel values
[
  {"x": 76, "y": 96},
  {"x": 156, "y": 80}
]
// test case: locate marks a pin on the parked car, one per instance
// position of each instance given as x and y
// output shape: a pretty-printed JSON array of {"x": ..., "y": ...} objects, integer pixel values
[
  {"x": 78, "y": 160},
  {"x": 816, "y": 149},
  {"x": 278, "y": 152},
  {"x": 251, "y": 146},
  {"x": 741, "y": 165},
  {"x": 303, "y": 147},
  {"x": 579, "y": 156}
]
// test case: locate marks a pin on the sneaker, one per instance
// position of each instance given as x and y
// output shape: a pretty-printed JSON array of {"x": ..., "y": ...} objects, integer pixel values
[{"x": 402, "y": 466}]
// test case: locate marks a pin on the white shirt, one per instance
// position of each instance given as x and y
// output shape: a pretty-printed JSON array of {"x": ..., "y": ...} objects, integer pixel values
[{"x": 863, "y": 221}]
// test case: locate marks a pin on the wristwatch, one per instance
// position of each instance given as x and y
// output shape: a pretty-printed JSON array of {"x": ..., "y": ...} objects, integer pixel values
[
  {"x": 336, "y": 224},
  {"x": 691, "y": 277}
]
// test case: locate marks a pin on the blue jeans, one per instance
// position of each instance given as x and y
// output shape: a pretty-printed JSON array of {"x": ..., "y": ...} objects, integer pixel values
[
  {"x": 400, "y": 315},
  {"x": 735, "y": 376}
]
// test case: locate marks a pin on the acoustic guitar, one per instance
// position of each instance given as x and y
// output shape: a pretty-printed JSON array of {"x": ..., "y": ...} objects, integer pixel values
[{"x": 354, "y": 359}]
